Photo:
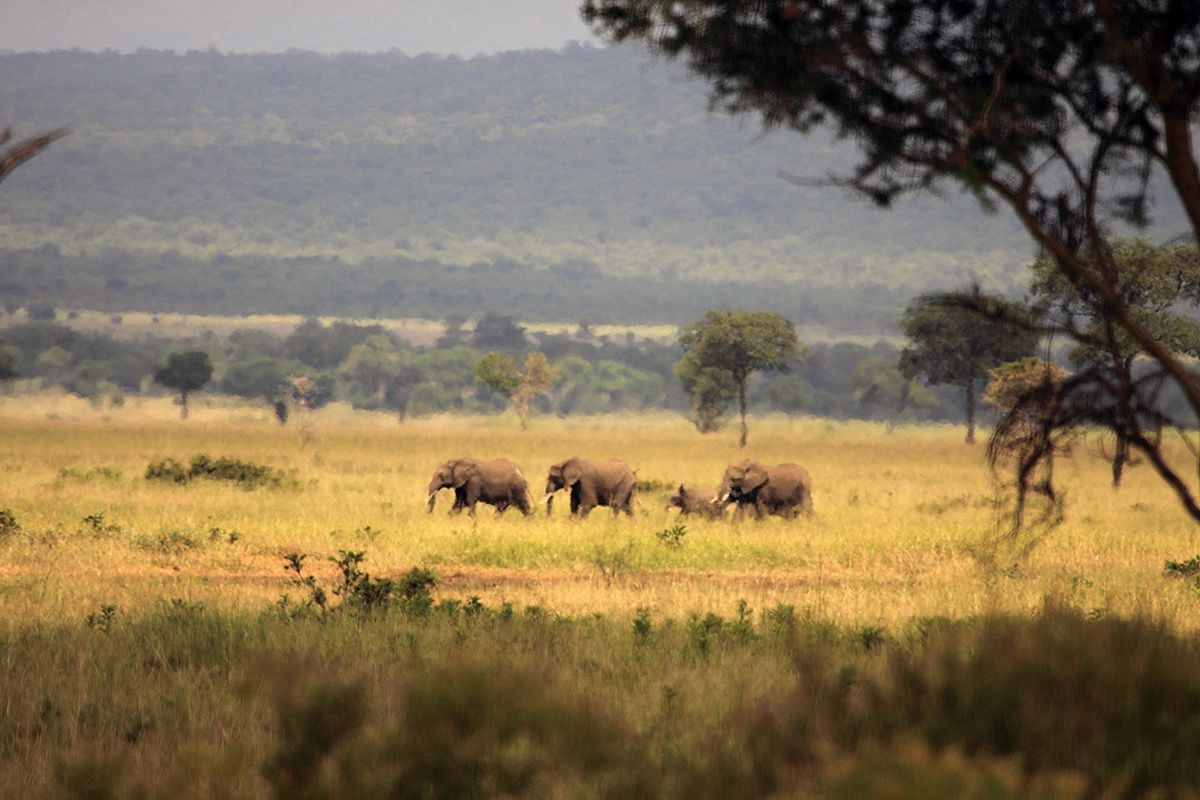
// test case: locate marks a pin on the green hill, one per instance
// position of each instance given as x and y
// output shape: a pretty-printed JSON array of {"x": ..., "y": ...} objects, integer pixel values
[{"x": 552, "y": 185}]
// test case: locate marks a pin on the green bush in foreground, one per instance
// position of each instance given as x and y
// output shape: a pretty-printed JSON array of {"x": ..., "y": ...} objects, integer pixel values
[{"x": 468, "y": 701}]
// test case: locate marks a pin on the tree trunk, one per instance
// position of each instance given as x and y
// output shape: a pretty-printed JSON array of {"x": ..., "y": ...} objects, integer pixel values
[
  {"x": 970, "y": 411},
  {"x": 521, "y": 406},
  {"x": 742, "y": 408},
  {"x": 1120, "y": 457},
  {"x": 183, "y": 408}
]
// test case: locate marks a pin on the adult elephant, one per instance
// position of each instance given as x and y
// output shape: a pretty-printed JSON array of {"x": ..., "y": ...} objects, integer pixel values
[
  {"x": 696, "y": 500},
  {"x": 497, "y": 482},
  {"x": 782, "y": 489},
  {"x": 592, "y": 483}
]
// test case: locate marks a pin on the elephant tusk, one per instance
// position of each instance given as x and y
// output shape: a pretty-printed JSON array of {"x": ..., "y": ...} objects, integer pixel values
[{"x": 721, "y": 499}]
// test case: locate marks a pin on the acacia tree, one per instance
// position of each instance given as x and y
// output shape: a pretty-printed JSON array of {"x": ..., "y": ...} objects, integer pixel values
[
  {"x": 957, "y": 345},
  {"x": 738, "y": 344},
  {"x": 1157, "y": 284},
  {"x": 185, "y": 372},
  {"x": 1061, "y": 111},
  {"x": 498, "y": 371}
]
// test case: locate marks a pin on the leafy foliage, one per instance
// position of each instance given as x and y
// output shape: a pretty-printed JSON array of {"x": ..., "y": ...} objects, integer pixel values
[
  {"x": 957, "y": 339},
  {"x": 185, "y": 372},
  {"x": 737, "y": 344},
  {"x": 243, "y": 473},
  {"x": 498, "y": 371}
]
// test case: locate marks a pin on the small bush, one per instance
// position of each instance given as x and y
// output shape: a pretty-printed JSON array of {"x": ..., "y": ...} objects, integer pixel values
[
  {"x": 1182, "y": 569},
  {"x": 97, "y": 527},
  {"x": 8, "y": 523},
  {"x": 80, "y": 474},
  {"x": 245, "y": 474},
  {"x": 167, "y": 470},
  {"x": 672, "y": 536},
  {"x": 650, "y": 485},
  {"x": 357, "y": 590}
]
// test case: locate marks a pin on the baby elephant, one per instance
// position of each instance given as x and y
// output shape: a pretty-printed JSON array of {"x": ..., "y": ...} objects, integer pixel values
[
  {"x": 696, "y": 500},
  {"x": 498, "y": 482}
]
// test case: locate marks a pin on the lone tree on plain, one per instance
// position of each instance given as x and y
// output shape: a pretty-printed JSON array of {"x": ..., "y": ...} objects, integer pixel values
[
  {"x": 738, "y": 344},
  {"x": 498, "y": 371},
  {"x": 958, "y": 344},
  {"x": 185, "y": 372},
  {"x": 1063, "y": 112}
]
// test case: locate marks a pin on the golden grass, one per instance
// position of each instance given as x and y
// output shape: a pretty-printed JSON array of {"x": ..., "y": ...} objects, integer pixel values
[{"x": 900, "y": 519}]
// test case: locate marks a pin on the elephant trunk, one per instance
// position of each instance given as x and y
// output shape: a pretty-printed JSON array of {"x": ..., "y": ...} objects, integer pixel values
[
  {"x": 432, "y": 500},
  {"x": 549, "y": 504}
]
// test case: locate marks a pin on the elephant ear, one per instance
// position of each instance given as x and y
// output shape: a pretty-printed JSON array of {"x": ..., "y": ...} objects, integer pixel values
[
  {"x": 754, "y": 477},
  {"x": 572, "y": 471},
  {"x": 463, "y": 470}
]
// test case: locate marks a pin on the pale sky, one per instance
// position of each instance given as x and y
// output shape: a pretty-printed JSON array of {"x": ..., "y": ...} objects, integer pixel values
[{"x": 462, "y": 27}]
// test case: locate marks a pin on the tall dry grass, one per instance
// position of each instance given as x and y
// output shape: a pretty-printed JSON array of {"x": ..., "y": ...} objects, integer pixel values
[
  {"x": 901, "y": 531},
  {"x": 887, "y": 647}
]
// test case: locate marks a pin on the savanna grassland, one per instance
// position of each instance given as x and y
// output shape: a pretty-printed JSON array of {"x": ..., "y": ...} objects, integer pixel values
[
  {"x": 900, "y": 529},
  {"x": 153, "y": 641}
]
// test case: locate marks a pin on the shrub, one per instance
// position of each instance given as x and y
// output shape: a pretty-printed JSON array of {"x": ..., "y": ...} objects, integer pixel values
[
  {"x": 8, "y": 523},
  {"x": 245, "y": 474}
]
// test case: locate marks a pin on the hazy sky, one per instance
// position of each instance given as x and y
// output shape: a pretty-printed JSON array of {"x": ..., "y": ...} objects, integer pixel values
[{"x": 465, "y": 27}]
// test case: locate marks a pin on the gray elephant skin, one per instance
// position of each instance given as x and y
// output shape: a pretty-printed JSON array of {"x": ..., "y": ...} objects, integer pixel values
[
  {"x": 592, "y": 483},
  {"x": 782, "y": 489},
  {"x": 696, "y": 500},
  {"x": 497, "y": 482}
]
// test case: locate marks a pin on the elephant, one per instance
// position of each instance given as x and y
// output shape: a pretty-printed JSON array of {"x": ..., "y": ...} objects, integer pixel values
[
  {"x": 781, "y": 489},
  {"x": 592, "y": 483},
  {"x": 498, "y": 482},
  {"x": 694, "y": 500}
]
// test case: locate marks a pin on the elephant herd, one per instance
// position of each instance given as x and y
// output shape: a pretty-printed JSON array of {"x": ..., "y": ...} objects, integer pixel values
[{"x": 783, "y": 489}]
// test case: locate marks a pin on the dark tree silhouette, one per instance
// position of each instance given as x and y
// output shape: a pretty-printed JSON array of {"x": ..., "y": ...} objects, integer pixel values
[{"x": 185, "y": 372}]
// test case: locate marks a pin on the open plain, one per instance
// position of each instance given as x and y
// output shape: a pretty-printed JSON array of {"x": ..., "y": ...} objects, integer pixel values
[
  {"x": 155, "y": 642},
  {"x": 906, "y": 522}
]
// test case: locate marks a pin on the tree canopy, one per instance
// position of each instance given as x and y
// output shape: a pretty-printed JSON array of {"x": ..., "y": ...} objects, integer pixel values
[
  {"x": 1158, "y": 286},
  {"x": 957, "y": 344},
  {"x": 185, "y": 372},
  {"x": 738, "y": 344},
  {"x": 1064, "y": 112},
  {"x": 498, "y": 371}
]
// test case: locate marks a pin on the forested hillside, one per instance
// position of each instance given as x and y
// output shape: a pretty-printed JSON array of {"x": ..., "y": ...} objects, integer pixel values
[{"x": 549, "y": 185}]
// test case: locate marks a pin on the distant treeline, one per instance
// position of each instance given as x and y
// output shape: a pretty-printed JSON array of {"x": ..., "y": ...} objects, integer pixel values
[
  {"x": 571, "y": 291},
  {"x": 372, "y": 368}
]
